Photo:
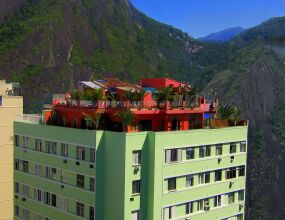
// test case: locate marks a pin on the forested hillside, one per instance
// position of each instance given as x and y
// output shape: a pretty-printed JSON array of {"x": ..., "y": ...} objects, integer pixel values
[{"x": 48, "y": 45}]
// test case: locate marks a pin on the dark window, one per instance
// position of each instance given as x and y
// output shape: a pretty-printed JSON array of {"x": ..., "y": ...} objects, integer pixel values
[
  {"x": 92, "y": 155},
  {"x": 231, "y": 198},
  {"x": 243, "y": 147},
  {"x": 80, "y": 153},
  {"x": 219, "y": 150},
  {"x": 47, "y": 198},
  {"x": 189, "y": 208},
  {"x": 189, "y": 181},
  {"x": 233, "y": 148},
  {"x": 64, "y": 150},
  {"x": 80, "y": 209},
  {"x": 231, "y": 173},
  {"x": 173, "y": 155},
  {"x": 91, "y": 213},
  {"x": 202, "y": 151},
  {"x": 17, "y": 164},
  {"x": 218, "y": 175},
  {"x": 241, "y": 195},
  {"x": 207, "y": 178},
  {"x": 208, "y": 151},
  {"x": 175, "y": 125},
  {"x": 136, "y": 186},
  {"x": 38, "y": 145},
  {"x": 92, "y": 184},
  {"x": 217, "y": 201},
  {"x": 80, "y": 181},
  {"x": 241, "y": 171},
  {"x": 53, "y": 200},
  {"x": 190, "y": 153},
  {"x": 17, "y": 211},
  {"x": 25, "y": 166},
  {"x": 16, "y": 140},
  {"x": 172, "y": 184}
]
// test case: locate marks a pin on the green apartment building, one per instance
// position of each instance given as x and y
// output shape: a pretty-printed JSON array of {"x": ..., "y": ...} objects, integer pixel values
[{"x": 63, "y": 171}]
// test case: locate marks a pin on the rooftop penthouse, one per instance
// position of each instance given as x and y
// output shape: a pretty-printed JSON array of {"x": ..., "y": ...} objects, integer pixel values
[{"x": 155, "y": 104}]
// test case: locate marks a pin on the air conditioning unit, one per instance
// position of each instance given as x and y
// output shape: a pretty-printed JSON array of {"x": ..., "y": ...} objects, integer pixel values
[
  {"x": 231, "y": 184},
  {"x": 136, "y": 169},
  {"x": 207, "y": 208},
  {"x": 219, "y": 159},
  {"x": 232, "y": 158},
  {"x": 240, "y": 207}
]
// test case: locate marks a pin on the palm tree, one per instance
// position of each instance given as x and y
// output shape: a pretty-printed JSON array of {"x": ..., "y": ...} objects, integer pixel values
[
  {"x": 94, "y": 118},
  {"x": 235, "y": 115},
  {"x": 164, "y": 94},
  {"x": 127, "y": 117},
  {"x": 225, "y": 112},
  {"x": 140, "y": 95}
]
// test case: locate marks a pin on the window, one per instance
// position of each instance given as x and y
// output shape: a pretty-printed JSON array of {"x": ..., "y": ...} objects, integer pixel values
[
  {"x": 63, "y": 204},
  {"x": 80, "y": 181},
  {"x": 92, "y": 184},
  {"x": 233, "y": 148},
  {"x": 231, "y": 173},
  {"x": 169, "y": 212},
  {"x": 241, "y": 171},
  {"x": 231, "y": 198},
  {"x": 38, "y": 195},
  {"x": 206, "y": 204},
  {"x": 17, "y": 188},
  {"x": 64, "y": 150},
  {"x": 219, "y": 150},
  {"x": 200, "y": 206},
  {"x": 208, "y": 151},
  {"x": 38, "y": 170},
  {"x": 25, "y": 166},
  {"x": 189, "y": 208},
  {"x": 53, "y": 200},
  {"x": 80, "y": 209},
  {"x": 80, "y": 153},
  {"x": 217, "y": 201},
  {"x": 200, "y": 178},
  {"x": 136, "y": 215},
  {"x": 241, "y": 195},
  {"x": 136, "y": 187},
  {"x": 91, "y": 213},
  {"x": 46, "y": 198},
  {"x": 25, "y": 142},
  {"x": 202, "y": 151},
  {"x": 240, "y": 217},
  {"x": 189, "y": 181},
  {"x": 207, "y": 178},
  {"x": 173, "y": 155},
  {"x": 38, "y": 145},
  {"x": 26, "y": 190},
  {"x": 51, "y": 147},
  {"x": 16, "y": 141},
  {"x": 92, "y": 155},
  {"x": 190, "y": 153},
  {"x": 17, "y": 211},
  {"x": 172, "y": 184},
  {"x": 136, "y": 157},
  {"x": 243, "y": 147},
  {"x": 218, "y": 175},
  {"x": 17, "y": 164},
  {"x": 26, "y": 214},
  {"x": 50, "y": 173}
]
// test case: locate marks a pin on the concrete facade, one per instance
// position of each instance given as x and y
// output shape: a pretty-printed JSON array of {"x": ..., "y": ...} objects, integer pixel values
[
  {"x": 66, "y": 173},
  {"x": 10, "y": 106}
]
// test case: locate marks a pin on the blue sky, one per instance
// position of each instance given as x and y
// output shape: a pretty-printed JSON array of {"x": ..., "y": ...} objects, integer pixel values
[{"x": 201, "y": 17}]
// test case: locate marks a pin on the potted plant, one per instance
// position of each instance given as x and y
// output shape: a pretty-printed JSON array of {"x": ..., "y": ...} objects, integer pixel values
[{"x": 127, "y": 117}]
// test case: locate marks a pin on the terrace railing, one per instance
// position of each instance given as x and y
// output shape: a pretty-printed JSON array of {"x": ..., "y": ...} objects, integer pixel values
[{"x": 30, "y": 118}]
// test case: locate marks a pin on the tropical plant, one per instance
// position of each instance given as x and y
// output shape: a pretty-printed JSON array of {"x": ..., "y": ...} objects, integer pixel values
[
  {"x": 164, "y": 94},
  {"x": 225, "y": 112},
  {"x": 235, "y": 115},
  {"x": 212, "y": 94},
  {"x": 94, "y": 118},
  {"x": 77, "y": 95},
  {"x": 112, "y": 96},
  {"x": 140, "y": 95},
  {"x": 130, "y": 95},
  {"x": 127, "y": 117}
]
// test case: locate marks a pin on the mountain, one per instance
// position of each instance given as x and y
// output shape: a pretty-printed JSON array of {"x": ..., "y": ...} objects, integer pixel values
[
  {"x": 222, "y": 36},
  {"x": 48, "y": 45},
  {"x": 255, "y": 81}
]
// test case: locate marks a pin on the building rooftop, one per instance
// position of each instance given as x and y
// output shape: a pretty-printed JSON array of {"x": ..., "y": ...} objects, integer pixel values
[{"x": 154, "y": 104}]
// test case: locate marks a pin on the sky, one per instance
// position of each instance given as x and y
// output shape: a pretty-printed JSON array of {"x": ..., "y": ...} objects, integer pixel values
[{"x": 202, "y": 17}]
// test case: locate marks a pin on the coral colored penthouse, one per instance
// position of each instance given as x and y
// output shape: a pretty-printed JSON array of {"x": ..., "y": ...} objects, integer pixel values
[{"x": 154, "y": 150}]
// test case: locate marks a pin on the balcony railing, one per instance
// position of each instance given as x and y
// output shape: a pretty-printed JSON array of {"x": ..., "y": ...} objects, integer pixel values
[{"x": 30, "y": 118}]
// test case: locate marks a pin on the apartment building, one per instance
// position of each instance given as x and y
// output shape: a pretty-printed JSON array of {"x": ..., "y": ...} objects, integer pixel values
[
  {"x": 11, "y": 103},
  {"x": 169, "y": 163}
]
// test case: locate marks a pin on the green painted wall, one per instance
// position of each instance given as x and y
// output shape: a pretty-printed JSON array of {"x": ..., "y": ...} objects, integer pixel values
[{"x": 114, "y": 171}]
